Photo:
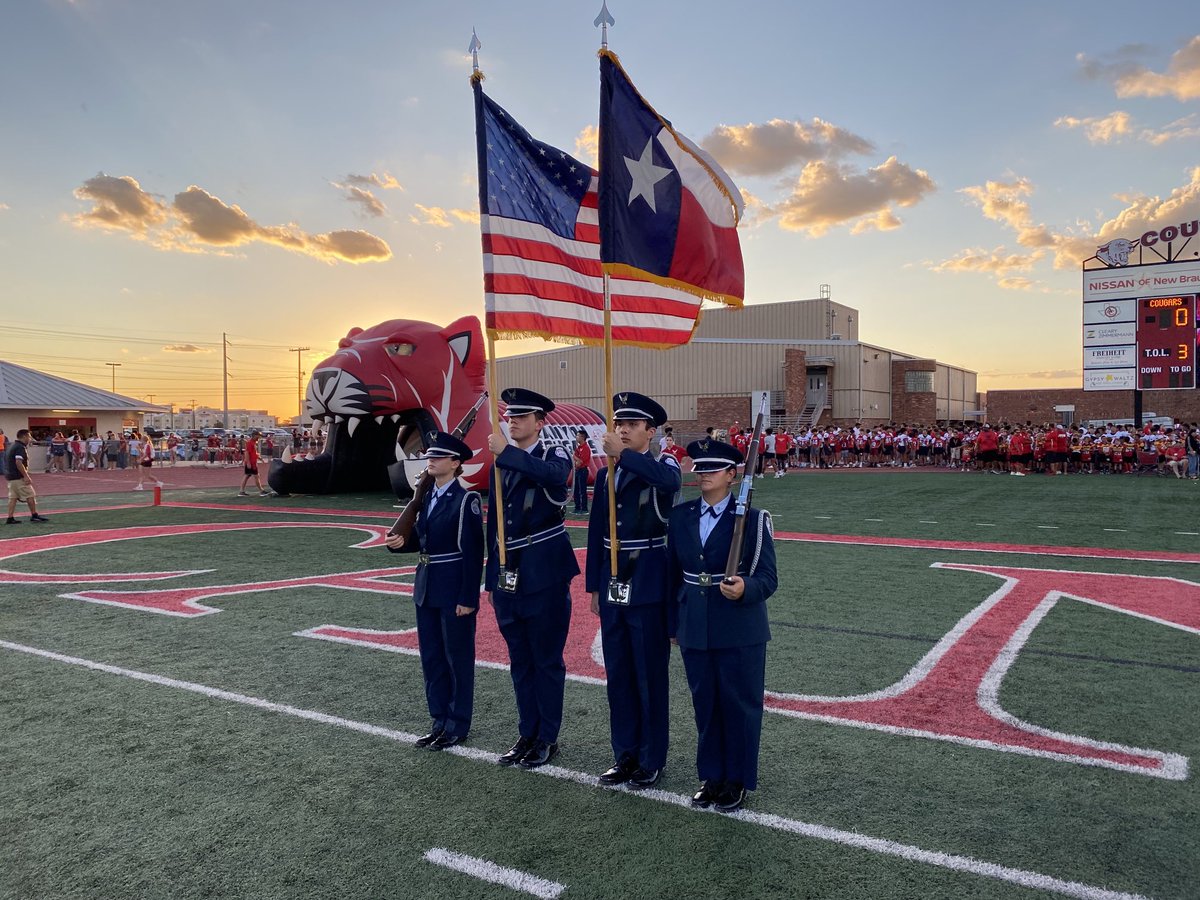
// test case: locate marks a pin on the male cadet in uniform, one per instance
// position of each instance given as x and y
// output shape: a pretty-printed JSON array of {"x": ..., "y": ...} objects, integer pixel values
[
  {"x": 632, "y": 603},
  {"x": 531, "y": 593},
  {"x": 448, "y": 534},
  {"x": 721, "y": 627}
]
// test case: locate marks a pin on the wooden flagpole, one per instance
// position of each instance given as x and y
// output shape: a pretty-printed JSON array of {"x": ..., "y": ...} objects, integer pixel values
[
  {"x": 497, "y": 482},
  {"x": 614, "y": 547}
]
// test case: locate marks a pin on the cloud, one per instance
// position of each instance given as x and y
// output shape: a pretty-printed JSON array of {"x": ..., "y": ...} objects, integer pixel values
[
  {"x": 828, "y": 194},
  {"x": 587, "y": 145},
  {"x": 1004, "y": 202},
  {"x": 1016, "y": 283},
  {"x": 1119, "y": 125},
  {"x": 120, "y": 203},
  {"x": 386, "y": 181},
  {"x": 993, "y": 262},
  {"x": 780, "y": 144},
  {"x": 1100, "y": 129},
  {"x": 1181, "y": 80},
  {"x": 440, "y": 217},
  {"x": 3, "y": 206},
  {"x": 185, "y": 348},
  {"x": 358, "y": 191},
  {"x": 196, "y": 221}
]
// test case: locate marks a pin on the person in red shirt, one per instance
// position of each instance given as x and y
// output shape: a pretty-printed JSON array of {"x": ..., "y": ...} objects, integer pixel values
[
  {"x": 987, "y": 449},
  {"x": 214, "y": 445},
  {"x": 1058, "y": 444},
  {"x": 1020, "y": 451},
  {"x": 783, "y": 445},
  {"x": 583, "y": 460},
  {"x": 251, "y": 468}
]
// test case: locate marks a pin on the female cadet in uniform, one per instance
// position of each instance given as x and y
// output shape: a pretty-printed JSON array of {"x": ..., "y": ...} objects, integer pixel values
[
  {"x": 721, "y": 627},
  {"x": 448, "y": 534}
]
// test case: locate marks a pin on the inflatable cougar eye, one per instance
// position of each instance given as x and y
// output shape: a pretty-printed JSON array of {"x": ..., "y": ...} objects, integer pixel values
[{"x": 398, "y": 349}]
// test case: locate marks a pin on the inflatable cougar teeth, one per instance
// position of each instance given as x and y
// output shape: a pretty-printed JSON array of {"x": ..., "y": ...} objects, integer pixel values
[{"x": 379, "y": 394}]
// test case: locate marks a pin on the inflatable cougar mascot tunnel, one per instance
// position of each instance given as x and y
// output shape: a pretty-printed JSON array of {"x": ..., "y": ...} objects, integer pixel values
[{"x": 388, "y": 386}]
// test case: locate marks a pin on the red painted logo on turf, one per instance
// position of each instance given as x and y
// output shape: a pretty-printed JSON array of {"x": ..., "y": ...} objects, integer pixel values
[{"x": 951, "y": 694}]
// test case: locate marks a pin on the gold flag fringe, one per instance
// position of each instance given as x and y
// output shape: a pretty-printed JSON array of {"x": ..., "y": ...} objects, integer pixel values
[
  {"x": 620, "y": 269},
  {"x": 500, "y": 335}
]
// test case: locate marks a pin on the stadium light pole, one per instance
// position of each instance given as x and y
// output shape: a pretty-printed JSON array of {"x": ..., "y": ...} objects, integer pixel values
[
  {"x": 299, "y": 383},
  {"x": 114, "y": 367}
]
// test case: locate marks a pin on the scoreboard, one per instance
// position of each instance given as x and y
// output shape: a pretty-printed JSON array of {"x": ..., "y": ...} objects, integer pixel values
[
  {"x": 1139, "y": 326},
  {"x": 1166, "y": 342}
]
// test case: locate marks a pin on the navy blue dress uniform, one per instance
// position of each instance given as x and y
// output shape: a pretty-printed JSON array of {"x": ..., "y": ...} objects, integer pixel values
[
  {"x": 723, "y": 641},
  {"x": 535, "y": 615},
  {"x": 448, "y": 534},
  {"x": 633, "y": 627}
]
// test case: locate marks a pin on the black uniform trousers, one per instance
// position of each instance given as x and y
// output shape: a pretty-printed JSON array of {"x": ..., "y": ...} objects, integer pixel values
[
  {"x": 727, "y": 693},
  {"x": 447, "y": 644},
  {"x": 581, "y": 494},
  {"x": 637, "y": 657},
  {"x": 535, "y": 627}
]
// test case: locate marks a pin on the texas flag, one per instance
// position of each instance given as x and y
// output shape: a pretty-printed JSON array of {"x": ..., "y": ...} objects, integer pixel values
[{"x": 668, "y": 212}]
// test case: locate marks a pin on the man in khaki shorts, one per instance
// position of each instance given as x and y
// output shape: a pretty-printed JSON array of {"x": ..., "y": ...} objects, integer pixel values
[{"x": 20, "y": 484}]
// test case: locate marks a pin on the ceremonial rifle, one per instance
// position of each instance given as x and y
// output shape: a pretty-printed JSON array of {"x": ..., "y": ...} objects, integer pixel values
[
  {"x": 408, "y": 518},
  {"x": 745, "y": 492}
]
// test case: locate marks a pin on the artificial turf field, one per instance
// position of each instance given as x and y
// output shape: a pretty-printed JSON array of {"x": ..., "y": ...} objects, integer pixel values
[{"x": 1011, "y": 732}]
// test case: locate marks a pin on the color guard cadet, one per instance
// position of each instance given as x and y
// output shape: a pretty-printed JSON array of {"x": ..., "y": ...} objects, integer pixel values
[
  {"x": 531, "y": 593},
  {"x": 632, "y": 603},
  {"x": 722, "y": 627},
  {"x": 448, "y": 535}
]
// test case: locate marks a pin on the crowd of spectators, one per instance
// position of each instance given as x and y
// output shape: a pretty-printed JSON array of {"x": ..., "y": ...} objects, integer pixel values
[{"x": 1000, "y": 449}]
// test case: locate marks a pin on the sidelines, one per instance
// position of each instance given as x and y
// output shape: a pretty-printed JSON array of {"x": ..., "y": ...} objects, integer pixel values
[
  {"x": 485, "y": 870},
  {"x": 883, "y": 846}
]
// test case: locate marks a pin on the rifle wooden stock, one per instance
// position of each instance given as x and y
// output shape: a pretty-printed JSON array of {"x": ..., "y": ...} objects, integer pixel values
[
  {"x": 404, "y": 525},
  {"x": 745, "y": 493}
]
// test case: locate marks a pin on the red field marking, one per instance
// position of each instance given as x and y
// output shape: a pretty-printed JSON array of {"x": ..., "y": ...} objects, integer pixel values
[
  {"x": 1024, "y": 549},
  {"x": 582, "y": 654},
  {"x": 953, "y": 692},
  {"x": 42, "y": 543}
]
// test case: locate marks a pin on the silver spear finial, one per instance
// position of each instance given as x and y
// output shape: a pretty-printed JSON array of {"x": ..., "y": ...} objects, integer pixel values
[
  {"x": 474, "y": 49},
  {"x": 602, "y": 22}
]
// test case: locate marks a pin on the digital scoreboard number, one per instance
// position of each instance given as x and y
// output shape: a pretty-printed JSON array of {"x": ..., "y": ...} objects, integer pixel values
[{"x": 1166, "y": 342}]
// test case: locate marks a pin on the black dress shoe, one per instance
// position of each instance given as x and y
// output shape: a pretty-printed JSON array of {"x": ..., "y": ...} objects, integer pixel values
[
  {"x": 539, "y": 754},
  {"x": 707, "y": 795},
  {"x": 731, "y": 798},
  {"x": 516, "y": 752},
  {"x": 620, "y": 773},
  {"x": 447, "y": 740},
  {"x": 645, "y": 778},
  {"x": 426, "y": 739}
]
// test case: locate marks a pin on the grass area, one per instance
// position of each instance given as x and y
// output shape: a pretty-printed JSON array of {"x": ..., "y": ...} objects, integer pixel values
[{"x": 120, "y": 788}]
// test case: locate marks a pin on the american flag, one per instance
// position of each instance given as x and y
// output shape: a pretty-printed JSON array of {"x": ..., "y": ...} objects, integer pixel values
[{"x": 541, "y": 248}]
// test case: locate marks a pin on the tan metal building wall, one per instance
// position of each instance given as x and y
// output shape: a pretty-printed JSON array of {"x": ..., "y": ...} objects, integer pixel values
[{"x": 736, "y": 353}]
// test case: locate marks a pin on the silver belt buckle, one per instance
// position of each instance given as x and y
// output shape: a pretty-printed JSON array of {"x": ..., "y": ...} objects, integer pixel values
[
  {"x": 704, "y": 579},
  {"x": 618, "y": 592},
  {"x": 508, "y": 580},
  {"x": 423, "y": 559}
]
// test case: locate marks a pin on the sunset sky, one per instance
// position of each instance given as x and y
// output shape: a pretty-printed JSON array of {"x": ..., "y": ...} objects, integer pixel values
[{"x": 283, "y": 171}]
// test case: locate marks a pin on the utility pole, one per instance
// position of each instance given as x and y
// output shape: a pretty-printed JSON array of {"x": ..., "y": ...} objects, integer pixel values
[
  {"x": 114, "y": 367},
  {"x": 193, "y": 415},
  {"x": 299, "y": 384},
  {"x": 225, "y": 376}
]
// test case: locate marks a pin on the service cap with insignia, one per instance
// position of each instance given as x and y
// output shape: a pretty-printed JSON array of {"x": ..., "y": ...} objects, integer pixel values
[
  {"x": 632, "y": 406},
  {"x": 522, "y": 401},
  {"x": 713, "y": 456},
  {"x": 439, "y": 445}
]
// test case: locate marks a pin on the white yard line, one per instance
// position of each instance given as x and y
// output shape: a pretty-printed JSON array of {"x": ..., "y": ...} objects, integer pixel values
[
  {"x": 485, "y": 870},
  {"x": 954, "y": 862}
]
